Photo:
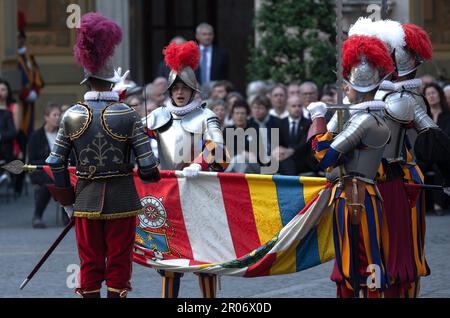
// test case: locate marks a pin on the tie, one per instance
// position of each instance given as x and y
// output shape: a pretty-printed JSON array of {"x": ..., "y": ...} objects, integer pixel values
[
  {"x": 203, "y": 67},
  {"x": 293, "y": 133}
]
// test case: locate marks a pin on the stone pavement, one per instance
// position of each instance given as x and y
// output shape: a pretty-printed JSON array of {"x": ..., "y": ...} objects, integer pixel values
[{"x": 21, "y": 247}]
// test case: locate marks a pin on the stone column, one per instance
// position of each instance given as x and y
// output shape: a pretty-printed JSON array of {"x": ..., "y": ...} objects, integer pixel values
[{"x": 117, "y": 10}]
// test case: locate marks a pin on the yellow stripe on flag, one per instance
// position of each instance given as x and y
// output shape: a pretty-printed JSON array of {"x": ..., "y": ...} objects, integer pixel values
[
  {"x": 312, "y": 187},
  {"x": 264, "y": 198},
  {"x": 286, "y": 261}
]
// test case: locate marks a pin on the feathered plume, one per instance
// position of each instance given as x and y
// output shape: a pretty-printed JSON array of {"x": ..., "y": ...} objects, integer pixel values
[
  {"x": 388, "y": 31},
  {"x": 417, "y": 40},
  {"x": 372, "y": 48},
  {"x": 21, "y": 21},
  {"x": 180, "y": 56},
  {"x": 97, "y": 38},
  {"x": 364, "y": 26}
]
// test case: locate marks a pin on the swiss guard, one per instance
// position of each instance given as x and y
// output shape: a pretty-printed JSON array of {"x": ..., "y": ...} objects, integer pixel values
[
  {"x": 103, "y": 133},
  {"x": 411, "y": 129},
  {"x": 360, "y": 236},
  {"x": 189, "y": 139}
]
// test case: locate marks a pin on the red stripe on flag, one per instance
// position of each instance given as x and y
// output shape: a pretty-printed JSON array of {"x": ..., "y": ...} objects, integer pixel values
[
  {"x": 175, "y": 229},
  {"x": 239, "y": 209},
  {"x": 262, "y": 268}
]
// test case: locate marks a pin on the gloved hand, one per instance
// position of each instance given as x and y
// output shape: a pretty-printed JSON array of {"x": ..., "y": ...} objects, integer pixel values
[
  {"x": 192, "y": 171},
  {"x": 317, "y": 110},
  {"x": 32, "y": 96},
  {"x": 69, "y": 211},
  {"x": 122, "y": 85}
]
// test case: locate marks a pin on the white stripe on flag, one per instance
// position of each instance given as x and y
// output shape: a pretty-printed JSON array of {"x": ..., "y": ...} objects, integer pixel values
[{"x": 206, "y": 219}]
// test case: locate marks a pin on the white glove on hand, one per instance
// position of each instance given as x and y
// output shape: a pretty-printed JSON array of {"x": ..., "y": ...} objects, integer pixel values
[
  {"x": 32, "y": 96},
  {"x": 122, "y": 85},
  {"x": 69, "y": 211},
  {"x": 192, "y": 171},
  {"x": 317, "y": 110}
]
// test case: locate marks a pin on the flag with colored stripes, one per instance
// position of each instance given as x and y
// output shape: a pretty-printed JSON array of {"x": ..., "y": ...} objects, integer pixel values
[{"x": 234, "y": 224}]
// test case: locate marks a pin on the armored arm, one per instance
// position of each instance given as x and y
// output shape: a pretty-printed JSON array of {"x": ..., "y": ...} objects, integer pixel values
[
  {"x": 147, "y": 162},
  {"x": 62, "y": 191},
  {"x": 215, "y": 154}
]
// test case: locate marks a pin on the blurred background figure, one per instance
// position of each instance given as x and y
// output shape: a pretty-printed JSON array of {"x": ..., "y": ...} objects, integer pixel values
[
  {"x": 309, "y": 93},
  {"x": 260, "y": 117},
  {"x": 219, "y": 107},
  {"x": 329, "y": 94},
  {"x": 213, "y": 59},
  {"x": 447, "y": 93},
  {"x": 256, "y": 88},
  {"x": 278, "y": 98},
  {"x": 39, "y": 147},
  {"x": 438, "y": 110},
  {"x": 9, "y": 147},
  {"x": 294, "y": 153},
  {"x": 293, "y": 89},
  {"x": 221, "y": 89},
  {"x": 243, "y": 160}
]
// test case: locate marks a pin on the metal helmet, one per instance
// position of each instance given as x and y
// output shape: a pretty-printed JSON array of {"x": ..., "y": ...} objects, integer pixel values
[
  {"x": 183, "y": 59},
  {"x": 185, "y": 75},
  {"x": 106, "y": 73},
  {"x": 366, "y": 62},
  {"x": 417, "y": 50}
]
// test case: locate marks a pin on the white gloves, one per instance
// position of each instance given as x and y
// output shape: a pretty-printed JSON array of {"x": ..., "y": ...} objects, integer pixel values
[
  {"x": 69, "y": 211},
  {"x": 317, "y": 110},
  {"x": 32, "y": 96},
  {"x": 192, "y": 171},
  {"x": 122, "y": 85}
]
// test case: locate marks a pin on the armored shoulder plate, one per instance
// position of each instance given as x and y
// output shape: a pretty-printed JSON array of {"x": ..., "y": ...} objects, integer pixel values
[
  {"x": 76, "y": 120},
  {"x": 365, "y": 129},
  {"x": 420, "y": 101},
  {"x": 400, "y": 106},
  {"x": 203, "y": 121},
  {"x": 116, "y": 119},
  {"x": 158, "y": 118}
]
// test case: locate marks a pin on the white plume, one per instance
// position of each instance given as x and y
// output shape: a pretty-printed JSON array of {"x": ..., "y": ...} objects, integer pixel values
[
  {"x": 364, "y": 26},
  {"x": 390, "y": 32}
]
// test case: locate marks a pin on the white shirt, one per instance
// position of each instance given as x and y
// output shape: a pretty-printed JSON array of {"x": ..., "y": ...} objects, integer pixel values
[
  {"x": 51, "y": 137},
  {"x": 282, "y": 116},
  {"x": 208, "y": 61}
]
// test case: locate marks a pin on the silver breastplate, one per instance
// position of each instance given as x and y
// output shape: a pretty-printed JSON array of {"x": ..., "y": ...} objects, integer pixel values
[{"x": 176, "y": 146}]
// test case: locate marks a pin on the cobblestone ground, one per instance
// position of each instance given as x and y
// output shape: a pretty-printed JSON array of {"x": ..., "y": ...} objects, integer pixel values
[{"x": 21, "y": 247}]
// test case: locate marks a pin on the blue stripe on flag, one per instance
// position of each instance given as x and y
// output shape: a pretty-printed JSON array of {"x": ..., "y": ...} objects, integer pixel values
[
  {"x": 308, "y": 251},
  {"x": 290, "y": 197}
]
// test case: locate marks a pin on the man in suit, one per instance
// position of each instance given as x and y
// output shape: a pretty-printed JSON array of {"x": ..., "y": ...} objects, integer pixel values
[
  {"x": 213, "y": 60},
  {"x": 294, "y": 151}
]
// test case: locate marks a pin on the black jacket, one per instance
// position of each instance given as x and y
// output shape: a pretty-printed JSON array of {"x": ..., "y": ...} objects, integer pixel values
[
  {"x": 219, "y": 65},
  {"x": 272, "y": 123},
  {"x": 38, "y": 152},
  {"x": 302, "y": 160},
  {"x": 7, "y": 135}
]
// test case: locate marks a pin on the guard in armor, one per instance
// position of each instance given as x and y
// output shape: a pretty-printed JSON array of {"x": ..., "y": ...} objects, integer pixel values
[
  {"x": 406, "y": 116},
  {"x": 189, "y": 139},
  {"x": 103, "y": 132},
  {"x": 360, "y": 236}
]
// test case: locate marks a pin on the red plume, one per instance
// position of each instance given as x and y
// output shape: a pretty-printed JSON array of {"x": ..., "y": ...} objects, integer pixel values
[
  {"x": 21, "y": 21},
  {"x": 417, "y": 40},
  {"x": 97, "y": 38},
  {"x": 180, "y": 56},
  {"x": 372, "y": 48}
]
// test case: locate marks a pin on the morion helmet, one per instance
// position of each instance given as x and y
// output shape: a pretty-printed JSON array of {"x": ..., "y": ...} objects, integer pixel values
[
  {"x": 183, "y": 60},
  {"x": 366, "y": 62},
  {"x": 97, "y": 39}
]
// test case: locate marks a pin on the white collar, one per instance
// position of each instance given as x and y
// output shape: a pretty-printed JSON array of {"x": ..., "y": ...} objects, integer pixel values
[
  {"x": 106, "y": 96},
  {"x": 408, "y": 84},
  {"x": 291, "y": 120},
  {"x": 181, "y": 111},
  {"x": 202, "y": 47}
]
